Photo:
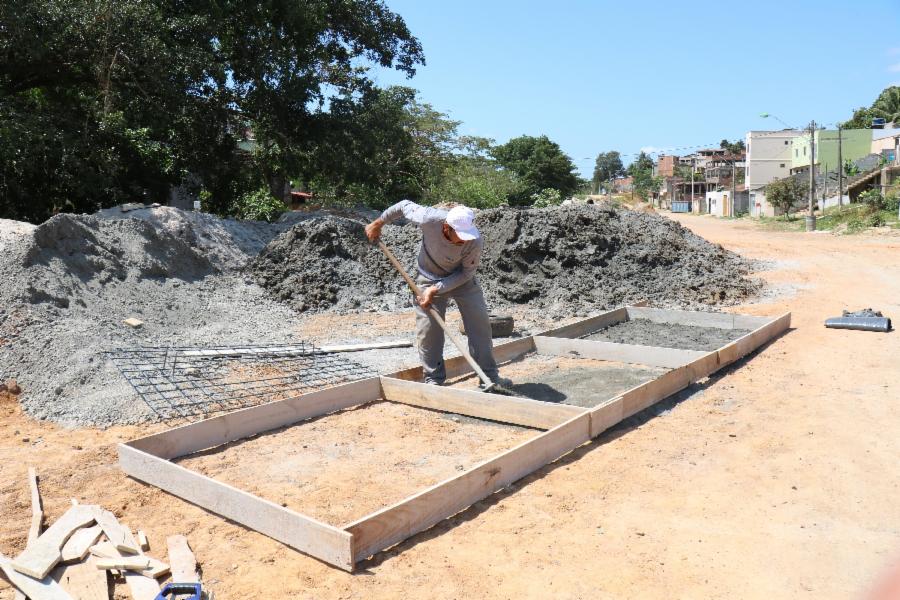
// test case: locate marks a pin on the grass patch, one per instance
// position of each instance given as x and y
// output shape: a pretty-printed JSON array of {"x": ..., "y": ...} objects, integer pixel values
[{"x": 849, "y": 219}]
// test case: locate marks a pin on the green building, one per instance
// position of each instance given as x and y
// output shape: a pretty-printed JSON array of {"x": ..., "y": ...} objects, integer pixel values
[{"x": 855, "y": 143}]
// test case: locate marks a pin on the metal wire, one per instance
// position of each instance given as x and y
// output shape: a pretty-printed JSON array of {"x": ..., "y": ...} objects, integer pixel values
[{"x": 188, "y": 382}]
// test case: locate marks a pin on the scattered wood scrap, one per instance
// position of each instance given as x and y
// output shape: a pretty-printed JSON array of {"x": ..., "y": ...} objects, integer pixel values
[
  {"x": 119, "y": 535},
  {"x": 71, "y": 559},
  {"x": 80, "y": 543},
  {"x": 82, "y": 581},
  {"x": 155, "y": 568},
  {"x": 126, "y": 563},
  {"x": 182, "y": 560},
  {"x": 133, "y": 323},
  {"x": 44, "y": 588},
  {"x": 39, "y": 559}
]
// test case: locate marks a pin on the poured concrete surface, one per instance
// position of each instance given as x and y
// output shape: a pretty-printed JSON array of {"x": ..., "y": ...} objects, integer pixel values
[
  {"x": 644, "y": 332},
  {"x": 576, "y": 381}
]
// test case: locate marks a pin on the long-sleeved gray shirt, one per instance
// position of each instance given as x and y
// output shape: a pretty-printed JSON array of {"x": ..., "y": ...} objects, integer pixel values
[{"x": 441, "y": 261}]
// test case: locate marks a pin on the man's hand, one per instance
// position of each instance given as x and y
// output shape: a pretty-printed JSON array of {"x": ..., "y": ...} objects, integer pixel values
[
  {"x": 373, "y": 230},
  {"x": 427, "y": 297}
]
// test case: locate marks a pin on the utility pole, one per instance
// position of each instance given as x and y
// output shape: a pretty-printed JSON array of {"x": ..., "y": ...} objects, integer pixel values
[
  {"x": 811, "y": 217},
  {"x": 840, "y": 169},
  {"x": 692, "y": 187},
  {"x": 733, "y": 182}
]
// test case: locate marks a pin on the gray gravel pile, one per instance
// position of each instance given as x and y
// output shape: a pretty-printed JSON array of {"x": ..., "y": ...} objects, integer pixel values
[
  {"x": 70, "y": 283},
  {"x": 196, "y": 280},
  {"x": 564, "y": 261}
]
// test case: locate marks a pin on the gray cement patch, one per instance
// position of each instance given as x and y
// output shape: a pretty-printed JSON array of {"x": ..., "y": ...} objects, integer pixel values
[{"x": 644, "y": 332}]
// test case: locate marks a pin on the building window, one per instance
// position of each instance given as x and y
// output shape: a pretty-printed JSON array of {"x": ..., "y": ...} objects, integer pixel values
[
  {"x": 785, "y": 142},
  {"x": 796, "y": 152},
  {"x": 804, "y": 150},
  {"x": 781, "y": 165}
]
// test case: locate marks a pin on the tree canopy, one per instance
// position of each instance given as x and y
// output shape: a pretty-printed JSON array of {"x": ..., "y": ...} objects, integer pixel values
[
  {"x": 103, "y": 102},
  {"x": 784, "y": 194},
  {"x": 539, "y": 164},
  {"x": 886, "y": 106},
  {"x": 642, "y": 163},
  {"x": 735, "y": 147},
  {"x": 607, "y": 167}
]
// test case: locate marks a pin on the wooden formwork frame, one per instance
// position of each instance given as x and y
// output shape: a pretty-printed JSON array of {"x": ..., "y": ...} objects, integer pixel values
[{"x": 564, "y": 428}]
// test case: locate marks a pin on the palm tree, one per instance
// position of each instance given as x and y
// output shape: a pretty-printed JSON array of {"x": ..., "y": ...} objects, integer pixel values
[{"x": 887, "y": 106}]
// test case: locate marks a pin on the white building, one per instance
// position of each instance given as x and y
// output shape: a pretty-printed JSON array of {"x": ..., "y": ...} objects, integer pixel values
[{"x": 768, "y": 159}]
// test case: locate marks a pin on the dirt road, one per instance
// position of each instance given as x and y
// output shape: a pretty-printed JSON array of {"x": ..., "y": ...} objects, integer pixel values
[{"x": 776, "y": 479}]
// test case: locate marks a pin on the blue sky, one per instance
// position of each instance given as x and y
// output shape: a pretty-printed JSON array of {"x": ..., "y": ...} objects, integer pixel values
[{"x": 597, "y": 76}]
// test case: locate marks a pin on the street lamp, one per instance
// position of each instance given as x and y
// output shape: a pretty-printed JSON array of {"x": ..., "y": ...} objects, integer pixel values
[{"x": 811, "y": 217}]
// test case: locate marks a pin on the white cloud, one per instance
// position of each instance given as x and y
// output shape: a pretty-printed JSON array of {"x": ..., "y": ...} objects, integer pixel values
[
  {"x": 894, "y": 68},
  {"x": 893, "y": 51}
]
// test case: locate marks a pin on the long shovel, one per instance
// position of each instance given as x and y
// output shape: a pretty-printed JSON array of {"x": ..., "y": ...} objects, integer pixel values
[{"x": 486, "y": 384}]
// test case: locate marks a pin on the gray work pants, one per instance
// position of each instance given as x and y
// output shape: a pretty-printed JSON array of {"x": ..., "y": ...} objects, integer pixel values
[{"x": 430, "y": 337}]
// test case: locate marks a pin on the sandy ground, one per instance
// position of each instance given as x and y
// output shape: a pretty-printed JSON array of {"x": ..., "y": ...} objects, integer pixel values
[{"x": 776, "y": 479}]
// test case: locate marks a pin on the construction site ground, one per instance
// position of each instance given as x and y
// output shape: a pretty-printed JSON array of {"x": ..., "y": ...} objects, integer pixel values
[{"x": 775, "y": 478}]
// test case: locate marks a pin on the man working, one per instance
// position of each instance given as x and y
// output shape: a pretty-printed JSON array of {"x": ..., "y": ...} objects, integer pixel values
[{"x": 448, "y": 258}]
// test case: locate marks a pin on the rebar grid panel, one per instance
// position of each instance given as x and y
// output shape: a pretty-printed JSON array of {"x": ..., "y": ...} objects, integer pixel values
[{"x": 191, "y": 382}]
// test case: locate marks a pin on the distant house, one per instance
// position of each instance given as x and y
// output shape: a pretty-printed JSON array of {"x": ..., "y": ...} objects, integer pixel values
[
  {"x": 666, "y": 165},
  {"x": 855, "y": 144},
  {"x": 721, "y": 168},
  {"x": 720, "y": 204},
  {"x": 768, "y": 158},
  {"x": 886, "y": 142},
  {"x": 623, "y": 184}
]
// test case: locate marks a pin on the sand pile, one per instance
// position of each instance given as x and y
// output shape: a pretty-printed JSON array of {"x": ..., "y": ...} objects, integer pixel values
[{"x": 563, "y": 261}]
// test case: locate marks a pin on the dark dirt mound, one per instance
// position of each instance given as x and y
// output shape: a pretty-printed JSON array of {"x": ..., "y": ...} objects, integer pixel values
[{"x": 562, "y": 261}]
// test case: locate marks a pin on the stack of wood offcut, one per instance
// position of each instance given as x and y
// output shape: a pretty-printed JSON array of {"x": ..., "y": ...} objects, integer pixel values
[{"x": 77, "y": 555}]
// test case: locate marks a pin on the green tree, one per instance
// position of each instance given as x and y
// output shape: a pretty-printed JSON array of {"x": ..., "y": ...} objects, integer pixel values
[
  {"x": 735, "y": 147},
  {"x": 539, "y": 164},
  {"x": 476, "y": 183},
  {"x": 645, "y": 183},
  {"x": 642, "y": 163},
  {"x": 102, "y": 101},
  {"x": 784, "y": 194},
  {"x": 607, "y": 167},
  {"x": 886, "y": 106},
  {"x": 383, "y": 146}
]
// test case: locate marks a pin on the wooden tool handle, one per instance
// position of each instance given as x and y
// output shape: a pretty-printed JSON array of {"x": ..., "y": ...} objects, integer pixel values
[{"x": 434, "y": 314}]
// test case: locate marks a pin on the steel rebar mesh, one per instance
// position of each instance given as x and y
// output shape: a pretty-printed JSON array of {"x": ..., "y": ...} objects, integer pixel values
[{"x": 189, "y": 382}]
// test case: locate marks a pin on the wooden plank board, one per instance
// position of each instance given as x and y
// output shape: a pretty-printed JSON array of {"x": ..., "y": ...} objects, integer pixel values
[
  {"x": 519, "y": 411},
  {"x": 37, "y": 510},
  {"x": 651, "y": 392},
  {"x": 82, "y": 581},
  {"x": 39, "y": 559},
  {"x": 249, "y": 421},
  {"x": 652, "y": 356},
  {"x": 37, "y": 517},
  {"x": 182, "y": 560},
  {"x": 696, "y": 318},
  {"x": 142, "y": 540},
  {"x": 753, "y": 340},
  {"x": 606, "y": 415},
  {"x": 417, "y": 513},
  {"x": 298, "y": 531},
  {"x": 119, "y": 535},
  {"x": 588, "y": 326},
  {"x": 44, "y": 588},
  {"x": 78, "y": 546},
  {"x": 155, "y": 568},
  {"x": 141, "y": 585},
  {"x": 127, "y": 563}
]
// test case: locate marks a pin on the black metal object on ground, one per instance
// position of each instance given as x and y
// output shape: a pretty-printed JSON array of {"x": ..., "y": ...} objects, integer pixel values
[
  {"x": 200, "y": 381},
  {"x": 862, "y": 320}
]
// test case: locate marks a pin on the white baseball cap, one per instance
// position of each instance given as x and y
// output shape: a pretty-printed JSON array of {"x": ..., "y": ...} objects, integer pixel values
[{"x": 461, "y": 219}]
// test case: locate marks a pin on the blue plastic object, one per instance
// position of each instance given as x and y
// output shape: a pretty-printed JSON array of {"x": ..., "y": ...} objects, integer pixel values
[{"x": 178, "y": 590}]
